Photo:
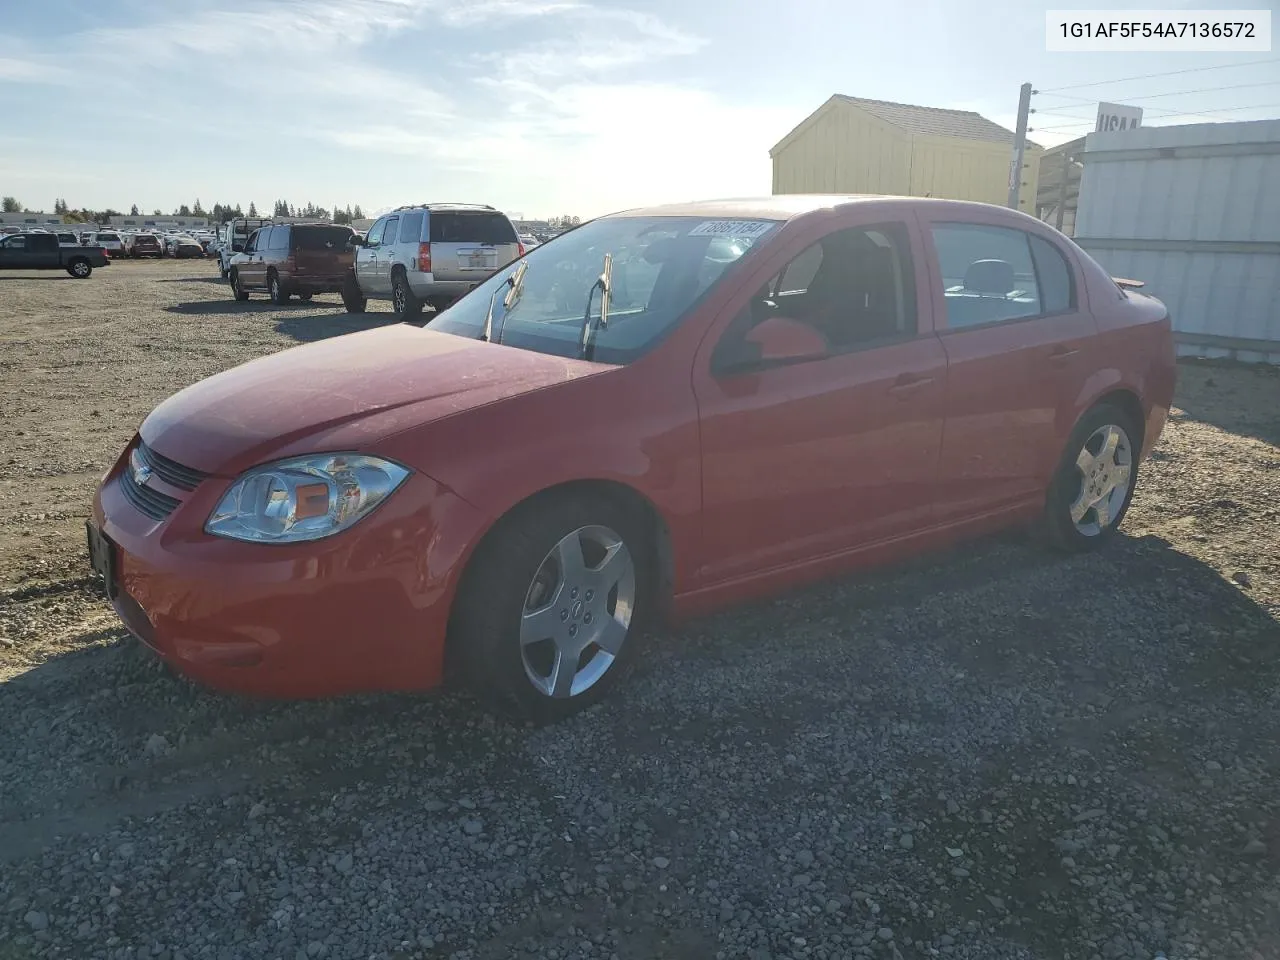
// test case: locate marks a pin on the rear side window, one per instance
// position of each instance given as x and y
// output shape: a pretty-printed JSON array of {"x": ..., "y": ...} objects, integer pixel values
[
  {"x": 987, "y": 274},
  {"x": 411, "y": 227},
  {"x": 390, "y": 230},
  {"x": 321, "y": 238},
  {"x": 280, "y": 238},
  {"x": 455, "y": 227},
  {"x": 1057, "y": 292}
]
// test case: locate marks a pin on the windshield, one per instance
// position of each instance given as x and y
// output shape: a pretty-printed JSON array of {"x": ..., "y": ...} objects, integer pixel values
[{"x": 662, "y": 266}]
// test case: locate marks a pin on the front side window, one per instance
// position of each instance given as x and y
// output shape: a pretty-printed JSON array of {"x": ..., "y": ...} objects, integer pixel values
[
  {"x": 661, "y": 267},
  {"x": 988, "y": 275},
  {"x": 375, "y": 233},
  {"x": 16, "y": 243},
  {"x": 856, "y": 287},
  {"x": 252, "y": 245}
]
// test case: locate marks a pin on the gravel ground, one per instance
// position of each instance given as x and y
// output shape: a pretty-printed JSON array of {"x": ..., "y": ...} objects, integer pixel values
[{"x": 997, "y": 753}]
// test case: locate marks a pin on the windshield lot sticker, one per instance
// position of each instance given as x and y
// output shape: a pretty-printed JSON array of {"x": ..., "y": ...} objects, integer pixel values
[{"x": 732, "y": 228}]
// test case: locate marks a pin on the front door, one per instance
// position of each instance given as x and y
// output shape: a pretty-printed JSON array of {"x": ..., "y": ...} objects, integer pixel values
[
  {"x": 249, "y": 264},
  {"x": 817, "y": 458},
  {"x": 1018, "y": 347},
  {"x": 18, "y": 253},
  {"x": 367, "y": 261}
]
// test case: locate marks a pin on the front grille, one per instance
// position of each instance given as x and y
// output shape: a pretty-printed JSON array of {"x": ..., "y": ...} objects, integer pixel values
[
  {"x": 153, "y": 503},
  {"x": 170, "y": 471}
]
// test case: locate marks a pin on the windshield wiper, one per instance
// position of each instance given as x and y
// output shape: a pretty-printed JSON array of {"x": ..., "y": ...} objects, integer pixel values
[
  {"x": 513, "y": 281},
  {"x": 516, "y": 282},
  {"x": 602, "y": 284}
]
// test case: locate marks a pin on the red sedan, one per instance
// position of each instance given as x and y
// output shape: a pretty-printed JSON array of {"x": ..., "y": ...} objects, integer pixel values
[{"x": 657, "y": 413}]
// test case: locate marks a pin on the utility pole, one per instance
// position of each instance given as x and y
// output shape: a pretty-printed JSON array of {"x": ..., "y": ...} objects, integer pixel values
[
  {"x": 1019, "y": 145},
  {"x": 1062, "y": 190}
]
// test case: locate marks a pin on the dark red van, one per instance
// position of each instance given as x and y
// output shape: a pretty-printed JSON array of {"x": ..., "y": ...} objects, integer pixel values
[{"x": 293, "y": 258}]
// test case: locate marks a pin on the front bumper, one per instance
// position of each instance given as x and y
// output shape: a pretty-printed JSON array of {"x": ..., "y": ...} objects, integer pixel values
[{"x": 365, "y": 610}]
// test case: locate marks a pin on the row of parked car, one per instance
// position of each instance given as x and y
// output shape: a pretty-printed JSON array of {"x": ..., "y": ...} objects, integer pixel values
[{"x": 426, "y": 254}]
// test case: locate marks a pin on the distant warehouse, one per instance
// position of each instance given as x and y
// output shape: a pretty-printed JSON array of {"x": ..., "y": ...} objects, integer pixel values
[{"x": 852, "y": 145}]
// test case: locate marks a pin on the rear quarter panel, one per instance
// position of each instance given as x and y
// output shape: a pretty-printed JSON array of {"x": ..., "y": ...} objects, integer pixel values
[{"x": 1135, "y": 349}]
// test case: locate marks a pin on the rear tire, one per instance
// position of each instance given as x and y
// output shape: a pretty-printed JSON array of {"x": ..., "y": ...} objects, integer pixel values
[
  {"x": 1093, "y": 486},
  {"x": 237, "y": 288},
  {"x": 352, "y": 298},
  {"x": 279, "y": 295},
  {"x": 403, "y": 302},
  {"x": 494, "y": 640}
]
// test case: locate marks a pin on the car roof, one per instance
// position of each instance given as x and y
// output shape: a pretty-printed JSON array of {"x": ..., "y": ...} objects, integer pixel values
[
  {"x": 790, "y": 206},
  {"x": 443, "y": 207}
]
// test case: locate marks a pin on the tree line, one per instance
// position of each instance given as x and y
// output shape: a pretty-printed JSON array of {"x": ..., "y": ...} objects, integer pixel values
[{"x": 218, "y": 213}]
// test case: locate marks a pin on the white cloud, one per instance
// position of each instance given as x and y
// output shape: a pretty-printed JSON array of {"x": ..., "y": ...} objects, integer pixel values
[{"x": 542, "y": 124}]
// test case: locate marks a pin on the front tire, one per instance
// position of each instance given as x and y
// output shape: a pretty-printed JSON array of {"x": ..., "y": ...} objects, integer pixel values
[
  {"x": 238, "y": 288},
  {"x": 352, "y": 298},
  {"x": 548, "y": 613},
  {"x": 403, "y": 302},
  {"x": 279, "y": 295},
  {"x": 80, "y": 268},
  {"x": 1093, "y": 487}
]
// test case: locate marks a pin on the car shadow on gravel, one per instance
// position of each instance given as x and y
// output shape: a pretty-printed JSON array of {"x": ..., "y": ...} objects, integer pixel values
[
  {"x": 321, "y": 326},
  {"x": 204, "y": 308},
  {"x": 44, "y": 275},
  {"x": 217, "y": 280}
]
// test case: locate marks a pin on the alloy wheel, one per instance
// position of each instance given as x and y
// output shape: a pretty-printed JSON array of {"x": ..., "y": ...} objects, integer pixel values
[
  {"x": 1105, "y": 464},
  {"x": 397, "y": 295},
  {"x": 577, "y": 612}
]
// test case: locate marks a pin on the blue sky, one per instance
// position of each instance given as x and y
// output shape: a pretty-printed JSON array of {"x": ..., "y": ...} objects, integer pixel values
[{"x": 540, "y": 107}]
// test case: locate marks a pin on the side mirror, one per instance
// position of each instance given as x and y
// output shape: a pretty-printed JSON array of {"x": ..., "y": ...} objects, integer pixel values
[
  {"x": 237, "y": 248},
  {"x": 356, "y": 241},
  {"x": 783, "y": 340}
]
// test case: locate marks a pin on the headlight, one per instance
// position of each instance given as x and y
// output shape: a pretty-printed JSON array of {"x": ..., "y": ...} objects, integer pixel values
[{"x": 305, "y": 498}]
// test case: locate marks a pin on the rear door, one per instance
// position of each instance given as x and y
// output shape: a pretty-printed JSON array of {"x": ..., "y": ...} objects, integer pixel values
[
  {"x": 470, "y": 244},
  {"x": 1019, "y": 348}
]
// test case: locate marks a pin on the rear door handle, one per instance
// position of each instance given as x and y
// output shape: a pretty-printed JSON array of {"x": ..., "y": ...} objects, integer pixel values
[
  {"x": 1061, "y": 354},
  {"x": 908, "y": 383}
]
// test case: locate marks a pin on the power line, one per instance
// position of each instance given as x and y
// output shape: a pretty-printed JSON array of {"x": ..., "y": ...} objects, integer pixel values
[
  {"x": 1176, "y": 93},
  {"x": 1167, "y": 73},
  {"x": 1165, "y": 114}
]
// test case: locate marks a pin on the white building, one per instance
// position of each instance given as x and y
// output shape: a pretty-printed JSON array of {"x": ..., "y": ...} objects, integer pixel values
[
  {"x": 144, "y": 222},
  {"x": 27, "y": 220}
]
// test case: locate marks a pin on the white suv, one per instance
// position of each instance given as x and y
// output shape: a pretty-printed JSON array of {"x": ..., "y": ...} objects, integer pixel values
[{"x": 430, "y": 253}]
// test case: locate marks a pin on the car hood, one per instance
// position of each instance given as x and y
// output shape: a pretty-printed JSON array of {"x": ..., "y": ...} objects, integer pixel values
[{"x": 342, "y": 393}]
